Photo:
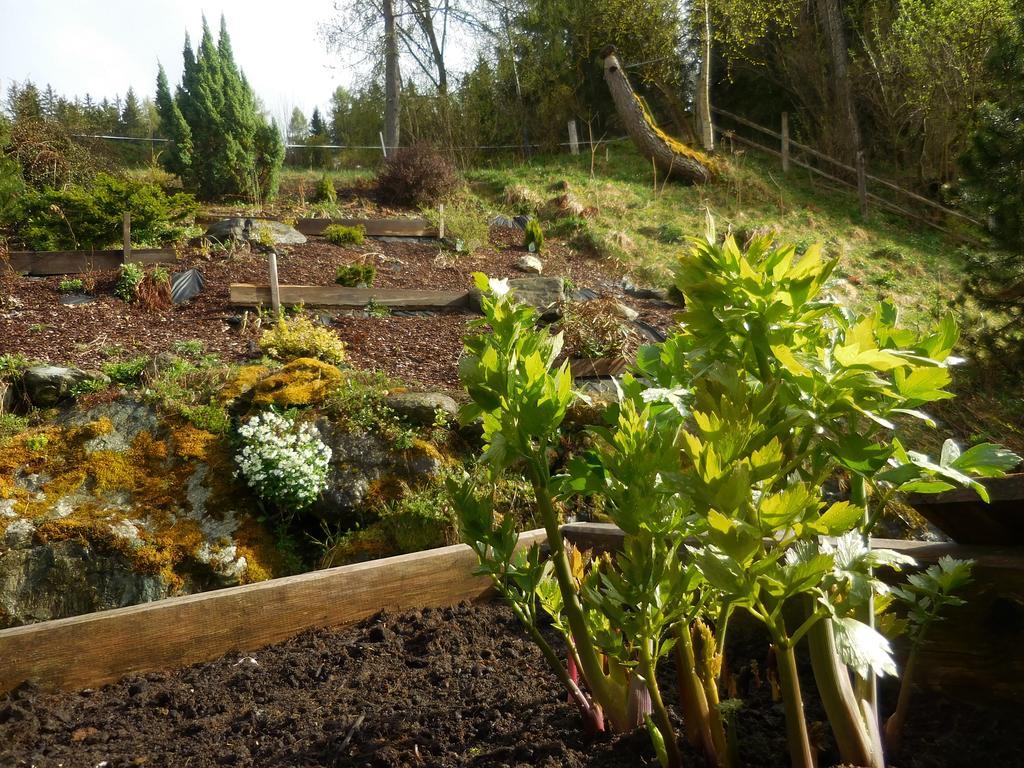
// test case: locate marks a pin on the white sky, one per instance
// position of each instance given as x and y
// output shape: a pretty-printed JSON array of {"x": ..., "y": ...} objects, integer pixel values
[{"x": 102, "y": 47}]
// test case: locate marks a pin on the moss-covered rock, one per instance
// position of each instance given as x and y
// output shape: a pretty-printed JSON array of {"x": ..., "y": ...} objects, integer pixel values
[{"x": 305, "y": 381}]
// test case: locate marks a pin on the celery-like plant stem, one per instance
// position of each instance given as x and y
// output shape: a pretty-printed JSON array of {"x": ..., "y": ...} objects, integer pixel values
[
  {"x": 675, "y": 759},
  {"x": 692, "y": 698},
  {"x": 894, "y": 725},
  {"x": 612, "y": 702},
  {"x": 796, "y": 724},
  {"x": 833, "y": 680},
  {"x": 708, "y": 666}
]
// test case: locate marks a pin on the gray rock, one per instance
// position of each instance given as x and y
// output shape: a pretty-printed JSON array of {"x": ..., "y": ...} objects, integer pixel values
[
  {"x": 530, "y": 263},
  {"x": 19, "y": 534},
  {"x": 48, "y": 385},
  {"x": 358, "y": 460},
  {"x": 539, "y": 292},
  {"x": 637, "y": 292},
  {"x": 76, "y": 299},
  {"x": 128, "y": 419},
  {"x": 626, "y": 313},
  {"x": 255, "y": 230},
  {"x": 421, "y": 408},
  {"x": 186, "y": 285}
]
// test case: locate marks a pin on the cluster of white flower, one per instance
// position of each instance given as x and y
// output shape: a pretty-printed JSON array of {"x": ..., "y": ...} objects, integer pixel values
[{"x": 284, "y": 462}]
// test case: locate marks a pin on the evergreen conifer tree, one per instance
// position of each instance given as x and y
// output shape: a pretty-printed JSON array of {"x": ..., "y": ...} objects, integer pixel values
[
  {"x": 177, "y": 158},
  {"x": 233, "y": 150}
]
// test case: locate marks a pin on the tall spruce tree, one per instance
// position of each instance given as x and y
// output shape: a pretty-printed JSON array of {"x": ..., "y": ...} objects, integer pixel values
[
  {"x": 233, "y": 150},
  {"x": 177, "y": 157}
]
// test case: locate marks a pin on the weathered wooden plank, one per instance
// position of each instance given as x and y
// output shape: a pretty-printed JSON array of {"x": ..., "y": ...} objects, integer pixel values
[
  {"x": 47, "y": 263},
  {"x": 964, "y": 517},
  {"x": 595, "y": 368},
  {"x": 245, "y": 294},
  {"x": 91, "y": 650},
  {"x": 975, "y": 652},
  {"x": 374, "y": 227}
]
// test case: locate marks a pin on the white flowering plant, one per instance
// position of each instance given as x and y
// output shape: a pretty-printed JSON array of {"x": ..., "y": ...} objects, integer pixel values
[{"x": 283, "y": 461}]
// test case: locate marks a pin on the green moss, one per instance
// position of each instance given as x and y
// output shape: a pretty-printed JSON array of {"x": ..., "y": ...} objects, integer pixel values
[{"x": 339, "y": 234}]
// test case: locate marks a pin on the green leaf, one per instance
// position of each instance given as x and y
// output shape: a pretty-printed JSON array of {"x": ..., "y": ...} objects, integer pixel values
[
  {"x": 839, "y": 518},
  {"x": 852, "y": 356},
  {"x": 861, "y": 455},
  {"x": 863, "y": 648},
  {"x": 923, "y": 384},
  {"x": 986, "y": 460}
]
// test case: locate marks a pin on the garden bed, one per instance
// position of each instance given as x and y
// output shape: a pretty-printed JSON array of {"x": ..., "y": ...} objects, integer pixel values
[
  {"x": 460, "y": 686},
  {"x": 421, "y": 349}
]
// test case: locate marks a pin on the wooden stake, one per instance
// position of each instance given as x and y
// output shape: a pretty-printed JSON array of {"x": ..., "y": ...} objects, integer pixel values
[
  {"x": 126, "y": 233},
  {"x": 654, "y": 167},
  {"x": 574, "y": 140},
  {"x": 862, "y": 185},
  {"x": 383, "y": 148},
  {"x": 275, "y": 287},
  {"x": 785, "y": 142},
  {"x": 440, "y": 223}
]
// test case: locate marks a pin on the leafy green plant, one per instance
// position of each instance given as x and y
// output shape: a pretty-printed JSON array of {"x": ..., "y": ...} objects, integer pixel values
[
  {"x": 37, "y": 443},
  {"x": 356, "y": 275},
  {"x": 11, "y": 425},
  {"x": 127, "y": 371},
  {"x": 69, "y": 285},
  {"x": 533, "y": 239},
  {"x": 338, "y": 234},
  {"x": 128, "y": 281},
  {"x": 191, "y": 348},
  {"x": 926, "y": 596},
  {"x": 593, "y": 329},
  {"x": 298, "y": 336},
  {"x": 379, "y": 311},
  {"x": 12, "y": 365}
]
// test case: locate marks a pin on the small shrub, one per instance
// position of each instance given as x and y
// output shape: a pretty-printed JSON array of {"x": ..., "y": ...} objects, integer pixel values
[
  {"x": 37, "y": 443},
  {"x": 339, "y": 234},
  {"x": 325, "y": 192},
  {"x": 71, "y": 286},
  {"x": 190, "y": 348},
  {"x": 417, "y": 175},
  {"x": 671, "y": 234},
  {"x": 379, "y": 311},
  {"x": 285, "y": 463},
  {"x": 465, "y": 223},
  {"x": 155, "y": 290},
  {"x": 592, "y": 329},
  {"x": 190, "y": 389},
  {"x": 298, "y": 336},
  {"x": 356, "y": 275},
  {"x": 127, "y": 371},
  {"x": 534, "y": 237},
  {"x": 128, "y": 282}
]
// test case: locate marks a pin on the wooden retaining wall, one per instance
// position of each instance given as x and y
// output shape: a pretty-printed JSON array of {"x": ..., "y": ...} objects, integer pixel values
[
  {"x": 247, "y": 295},
  {"x": 977, "y": 652},
  {"x": 48, "y": 263},
  {"x": 416, "y": 227},
  {"x": 98, "y": 648}
]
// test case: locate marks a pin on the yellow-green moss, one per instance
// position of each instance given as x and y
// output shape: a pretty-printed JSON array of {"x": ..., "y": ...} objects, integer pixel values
[
  {"x": 191, "y": 442},
  {"x": 370, "y": 543},
  {"x": 674, "y": 144},
  {"x": 243, "y": 382},
  {"x": 262, "y": 557},
  {"x": 305, "y": 381}
]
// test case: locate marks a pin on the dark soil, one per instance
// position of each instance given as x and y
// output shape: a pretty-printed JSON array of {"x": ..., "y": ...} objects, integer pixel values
[
  {"x": 451, "y": 687},
  {"x": 423, "y": 348}
]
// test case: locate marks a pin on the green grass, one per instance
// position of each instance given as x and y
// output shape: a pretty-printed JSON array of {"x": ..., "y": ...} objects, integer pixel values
[{"x": 919, "y": 268}]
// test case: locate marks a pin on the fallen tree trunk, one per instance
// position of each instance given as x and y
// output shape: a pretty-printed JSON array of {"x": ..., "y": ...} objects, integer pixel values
[{"x": 671, "y": 156}]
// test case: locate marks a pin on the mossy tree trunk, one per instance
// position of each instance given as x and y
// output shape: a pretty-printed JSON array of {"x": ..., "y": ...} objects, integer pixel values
[{"x": 671, "y": 156}]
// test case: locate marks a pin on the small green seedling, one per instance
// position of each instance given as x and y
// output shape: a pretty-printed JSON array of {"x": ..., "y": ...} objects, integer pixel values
[
  {"x": 356, "y": 275},
  {"x": 534, "y": 239},
  {"x": 71, "y": 286}
]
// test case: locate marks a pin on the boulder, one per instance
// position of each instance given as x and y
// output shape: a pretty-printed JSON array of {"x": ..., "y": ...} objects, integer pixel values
[
  {"x": 48, "y": 385},
  {"x": 422, "y": 408},
  {"x": 529, "y": 263},
  {"x": 255, "y": 230},
  {"x": 539, "y": 292},
  {"x": 626, "y": 313}
]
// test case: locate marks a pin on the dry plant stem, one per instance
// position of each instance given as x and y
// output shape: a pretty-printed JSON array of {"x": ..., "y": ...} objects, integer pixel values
[
  {"x": 694, "y": 702},
  {"x": 611, "y": 701}
]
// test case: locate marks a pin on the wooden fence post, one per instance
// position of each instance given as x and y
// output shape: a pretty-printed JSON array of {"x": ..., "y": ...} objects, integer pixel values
[
  {"x": 440, "y": 223},
  {"x": 785, "y": 142},
  {"x": 574, "y": 140},
  {"x": 126, "y": 237},
  {"x": 383, "y": 148},
  {"x": 862, "y": 184},
  {"x": 275, "y": 287}
]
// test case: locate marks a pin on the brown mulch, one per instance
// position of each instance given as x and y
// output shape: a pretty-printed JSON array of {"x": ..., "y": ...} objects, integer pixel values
[{"x": 422, "y": 349}]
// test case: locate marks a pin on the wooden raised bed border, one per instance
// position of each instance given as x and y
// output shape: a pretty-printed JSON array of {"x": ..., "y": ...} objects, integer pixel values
[
  {"x": 976, "y": 652},
  {"x": 95, "y": 649},
  {"x": 965, "y": 518},
  {"x": 374, "y": 227},
  {"x": 247, "y": 295},
  {"x": 48, "y": 263}
]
